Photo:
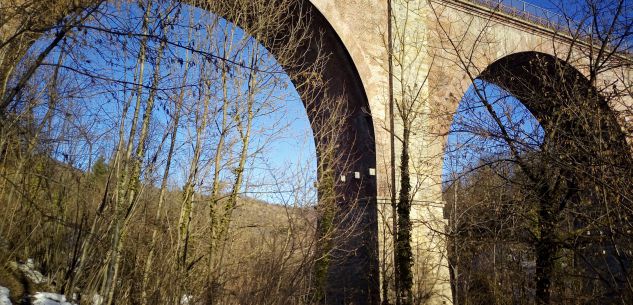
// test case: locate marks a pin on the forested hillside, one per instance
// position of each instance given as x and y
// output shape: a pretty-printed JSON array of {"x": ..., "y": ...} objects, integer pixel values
[{"x": 57, "y": 222}]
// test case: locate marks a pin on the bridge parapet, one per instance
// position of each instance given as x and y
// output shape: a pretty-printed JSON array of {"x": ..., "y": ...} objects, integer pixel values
[
  {"x": 527, "y": 12},
  {"x": 546, "y": 22}
]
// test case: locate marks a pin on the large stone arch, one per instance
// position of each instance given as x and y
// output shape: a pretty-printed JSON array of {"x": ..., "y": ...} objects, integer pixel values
[
  {"x": 353, "y": 268},
  {"x": 353, "y": 276}
]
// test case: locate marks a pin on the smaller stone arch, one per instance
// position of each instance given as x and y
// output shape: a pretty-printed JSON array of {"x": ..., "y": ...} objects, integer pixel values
[{"x": 588, "y": 148}]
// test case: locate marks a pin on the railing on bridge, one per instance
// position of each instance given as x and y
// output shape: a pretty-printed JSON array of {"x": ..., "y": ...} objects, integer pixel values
[
  {"x": 527, "y": 12},
  {"x": 537, "y": 15}
]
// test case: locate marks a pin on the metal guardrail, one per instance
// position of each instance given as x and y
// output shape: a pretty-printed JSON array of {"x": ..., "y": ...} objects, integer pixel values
[
  {"x": 537, "y": 15},
  {"x": 528, "y": 12}
]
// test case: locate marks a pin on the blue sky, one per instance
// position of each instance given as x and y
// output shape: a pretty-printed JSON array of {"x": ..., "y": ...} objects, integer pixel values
[
  {"x": 288, "y": 158},
  {"x": 292, "y": 150},
  {"x": 475, "y": 136}
]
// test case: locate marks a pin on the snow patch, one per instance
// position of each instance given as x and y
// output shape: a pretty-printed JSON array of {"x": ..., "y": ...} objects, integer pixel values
[
  {"x": 4, "y": 296},
  {"x": 97, "y": 299},
  {"x": 48, "y": 298},
  {"x": 31, "y": 272}
]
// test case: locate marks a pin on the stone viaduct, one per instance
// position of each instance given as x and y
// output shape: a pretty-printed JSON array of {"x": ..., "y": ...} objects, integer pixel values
[{"x": 441, "y": 45}]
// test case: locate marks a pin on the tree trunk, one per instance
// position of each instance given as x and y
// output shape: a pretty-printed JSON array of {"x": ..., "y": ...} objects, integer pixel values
[{"x": 404, "y": 255}]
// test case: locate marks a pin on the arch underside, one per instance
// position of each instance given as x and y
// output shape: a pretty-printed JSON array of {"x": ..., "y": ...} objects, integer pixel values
[{"x": 353, "y": 276}]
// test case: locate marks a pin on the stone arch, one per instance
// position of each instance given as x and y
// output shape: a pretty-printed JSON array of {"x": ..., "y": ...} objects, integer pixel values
[
  {"x": 353, "y": 276},
  {"x": 353, "y": 270},
  {"x": 589, "y": 136}
]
